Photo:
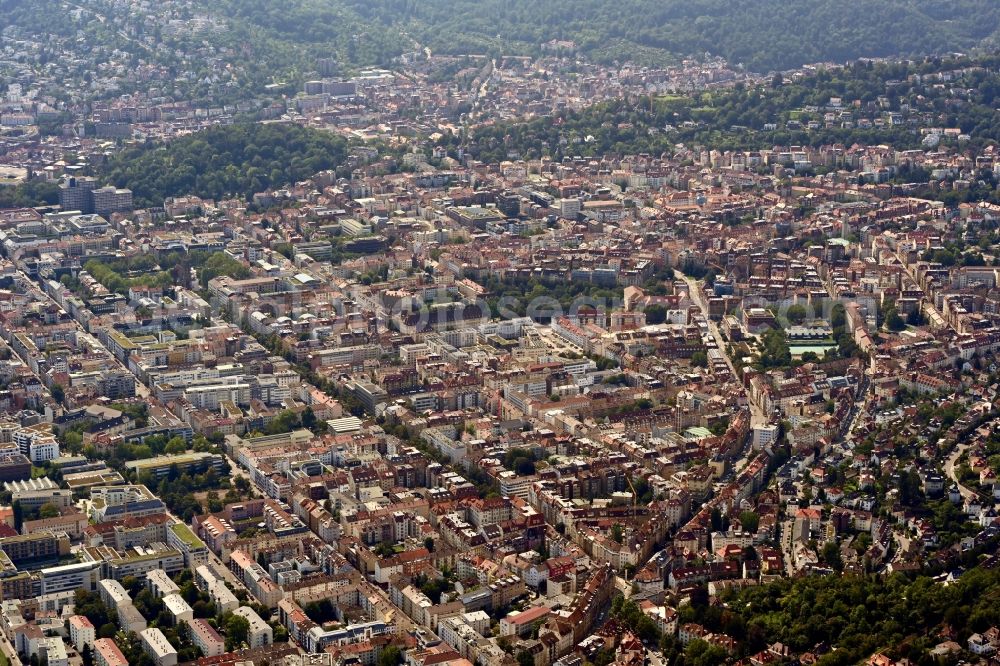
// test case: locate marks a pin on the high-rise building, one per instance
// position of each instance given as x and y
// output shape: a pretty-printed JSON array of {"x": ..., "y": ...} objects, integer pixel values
[
  {"x": 340, "y": 88},
  {"x": 108, "y": 200},
  {"x": 75, "y": 193}
]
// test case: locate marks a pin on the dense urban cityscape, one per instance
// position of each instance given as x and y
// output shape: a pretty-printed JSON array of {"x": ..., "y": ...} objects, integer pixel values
[{"x": 373, "y": 350}]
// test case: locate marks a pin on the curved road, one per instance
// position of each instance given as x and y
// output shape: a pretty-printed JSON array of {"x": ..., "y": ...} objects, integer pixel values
[{"x": 949, "y": 469}]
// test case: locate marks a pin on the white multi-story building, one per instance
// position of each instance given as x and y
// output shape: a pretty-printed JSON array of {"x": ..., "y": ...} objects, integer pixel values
[
  {"x": 37, "y": 442},
  {"x": 81, "y": 632},
  {"x": 460, "y": 636},
  {"x": 34, "y": 493},
  {"x": 764, "y": 435},
  {"x": 108, "y": 200},
  {"x": 195, "y": 551},
  {"x": 179, "y": 609},
  {"x": 156, "y": 645},
  {"x": 223, "y": 598},
  {"x": 113, "y": 593},
  {"x": 209, "y": 397},
  {"x": 130, "y": 619},
  {"x": 160, "y": 583},
  {"x": 53, "y": 650},
  {"x": 79, "y": 575},
  {"x": 206, "y": 638},
  {"x": 260, "y": 633}
]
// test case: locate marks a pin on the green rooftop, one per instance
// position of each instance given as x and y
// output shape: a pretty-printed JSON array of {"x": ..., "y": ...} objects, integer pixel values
[{"x": 184, "y": 533}]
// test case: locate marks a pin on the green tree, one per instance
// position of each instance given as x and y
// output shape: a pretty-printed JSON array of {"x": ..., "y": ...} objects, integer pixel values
[
  {"x": 308, "y": 418},
  {"x": 48, "y": 510},
  {"x": 893, "y": 321},
  {"x": 775, "y": 352},
  {"x": 831, "y": 555},
  {"x": 390, "y": 656},
  {"x": 175, "y": 446},
  {"x": 616, "y": 533},
  {"x": 796, "y": 314},
  {"x": 238, "y": 159},
  {"x": 237, "y": 631},
  {"x": 750, "y": 521},
  {"x": 701, "y": 653},
  {"x": 655, "y": 314},
  {"x": 286, "y": 421}
]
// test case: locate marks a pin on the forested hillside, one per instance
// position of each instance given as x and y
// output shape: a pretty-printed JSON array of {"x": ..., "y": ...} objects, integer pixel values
[
  {"x": 841, "y": 620},
  {"x": 858, "y": 616},
  {"x": 776, "y": 113},
  {"x": 235, "y": 160},
  {"x": 281, "y": 41},
  {"x": 762, "y": 34}
]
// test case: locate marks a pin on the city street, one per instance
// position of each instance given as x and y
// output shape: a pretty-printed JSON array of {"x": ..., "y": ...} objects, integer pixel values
[
  {"x": 757, "y": 415},
  {"x": 9, "y": 651},
  {"x": 143, "y": 392}
]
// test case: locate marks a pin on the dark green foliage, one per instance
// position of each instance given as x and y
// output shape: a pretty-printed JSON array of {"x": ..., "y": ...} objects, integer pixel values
[
  {"x": 604, "y": 363},
  {"x": 89, "y": 604},
  {"x": 237, "y": 630},
  {"x": 390, "y": 656},
  {"x": 286, "y": 421},
  {"x": 29, "y": 193},
  {"x": 910, "y": 488},
  {"x": 860, "y": 615},
  {"x": 846, "y": 346},
  {"x": 220, "y": 263},
  {"x": 831, "y": 556},
  {"x": 616, "y": 533},
  {"x": 433, "y": 587},
  {"x": 514, "y": 296},
  {"x": 775, "y": 352},
  {"x": 702, "y": 653},
  {"x": 796, "y": 314},
  {"x": 655, "y": 314},
  {"x": 289, "y": 36},
  {"x": 111, "y": 275},
  {"x": 521, "y": 461},
  {"x": 321, "y": 611},
  {"x": 750, "y": 521},
  {"x": 233, "y": 160},
  {"x": 627, "y": 612},
  {"x": 740, "y": 118},
  {"x": 643, "y": 492},
  {"x": 762, "y": 34},
  {"x": 893, "y": 321}
]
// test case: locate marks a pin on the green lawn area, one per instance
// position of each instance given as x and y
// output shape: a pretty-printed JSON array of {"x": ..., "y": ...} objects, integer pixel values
[{"x": 185, "y": 534}]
